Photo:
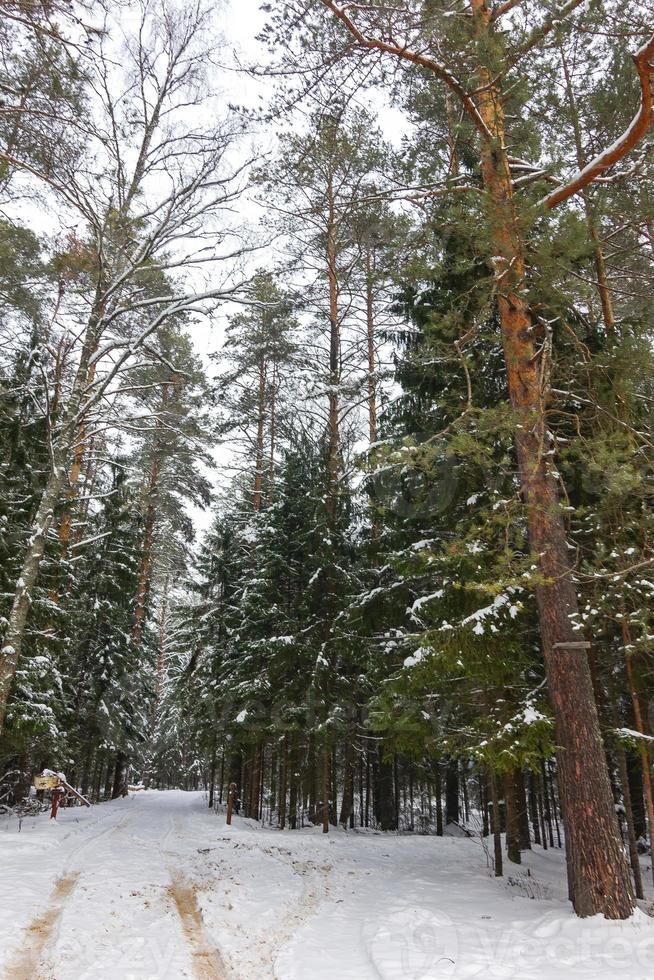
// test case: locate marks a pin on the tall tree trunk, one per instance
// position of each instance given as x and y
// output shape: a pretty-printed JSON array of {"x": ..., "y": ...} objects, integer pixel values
[{"x": 600, "y": 880}]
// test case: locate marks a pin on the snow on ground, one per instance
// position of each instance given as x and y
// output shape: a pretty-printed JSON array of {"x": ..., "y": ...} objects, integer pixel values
[{"x": 156, "y": 887}]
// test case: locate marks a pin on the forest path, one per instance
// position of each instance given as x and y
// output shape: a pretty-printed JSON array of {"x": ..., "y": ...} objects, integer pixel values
[
  {"x": 156, "y": 887},
  {"x": 120, "y": 905}
]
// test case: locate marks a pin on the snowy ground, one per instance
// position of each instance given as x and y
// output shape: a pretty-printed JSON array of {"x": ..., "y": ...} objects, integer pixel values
[{"x": 156, "y": 887}]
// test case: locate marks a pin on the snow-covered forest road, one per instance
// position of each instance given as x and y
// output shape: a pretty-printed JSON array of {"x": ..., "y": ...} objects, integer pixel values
[{"x": 156, "y": 886}]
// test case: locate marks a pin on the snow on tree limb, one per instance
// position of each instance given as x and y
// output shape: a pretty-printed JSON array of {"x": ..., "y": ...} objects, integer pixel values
[
  {"x": 624, "y": 143},
  {"x": 504, "y": 8}
]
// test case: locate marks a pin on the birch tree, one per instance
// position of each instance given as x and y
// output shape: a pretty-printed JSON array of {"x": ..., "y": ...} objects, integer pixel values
[{"x": 151, "y": 192}]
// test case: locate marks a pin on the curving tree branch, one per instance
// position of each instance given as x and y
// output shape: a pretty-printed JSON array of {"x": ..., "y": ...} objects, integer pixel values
[
  {"x": 414, "y": 57},
  {"x": 626, "y": 142}
]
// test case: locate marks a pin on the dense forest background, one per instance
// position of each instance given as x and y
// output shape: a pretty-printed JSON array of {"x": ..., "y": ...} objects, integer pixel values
[{"x": 422, "y": 592}]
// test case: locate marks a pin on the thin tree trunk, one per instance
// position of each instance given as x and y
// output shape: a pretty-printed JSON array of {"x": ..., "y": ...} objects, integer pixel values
[
  {"x": 543, "y": 831},
  {"x": 283, "y": 784},
  {"x": 273, "y": 436},
  {"x": 333, "y": 426},
  {"x": 325, "y": 789},
  {"x": 598, "y": 254},
  {"x": 523, "y": 812},
  {"x": 533, "y": 808},
  {"x": 293, "y": 795},
  {"x": 109, "y": 778},
  {"x": 367, "y": 810},
  {"x": 635, "y": 770},
  {"x": 483, "y": 805},
  {"x": 212, "y": 774},
  {"x": 464, "y": 793},
  {"x": 497, "y": 827},
  {"x": 411, "y": 815},
  {"x": 120, "y": 777},
  {"x": 396, "y": 791},
  {"x": 347, "y": 803},
  {"x": 384, "y": 796},
  {"x": 439, "y": 799},
  {"x": 145, "y": 569},
  {"x": 547, "y": 804},
  {"x": 66, "y": 523},
  {"x": 555, "y": 807},
  {"x": 629, "y": 818},
  {"x": 512, "y": 817},
  {"x": 222, "y": 775},
  {"x": 161, "y": 657},
  {"x": 372, "y": 365},
  {"x": 97, "y": 778},
  {"x": 452, "y": 792},
  {"x": 261, "y": 419},
  {"x": 642, "y": 744}
]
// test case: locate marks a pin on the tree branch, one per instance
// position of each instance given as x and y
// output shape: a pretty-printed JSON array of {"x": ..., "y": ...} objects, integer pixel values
[
  {"x": 543, "y": 29},
  {"x": 504, "y": 8},
  {"x": 376, "y": 44},
  {"x": 625, "y": 143}
]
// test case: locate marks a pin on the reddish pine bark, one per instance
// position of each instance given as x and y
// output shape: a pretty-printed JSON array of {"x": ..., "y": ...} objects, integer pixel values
[{"x": 598, "y": 874}]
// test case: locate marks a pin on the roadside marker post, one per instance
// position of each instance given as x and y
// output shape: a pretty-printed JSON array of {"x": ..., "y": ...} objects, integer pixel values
[
  {"x": 60, "y": 790},
  {"x": 58, "y": 795}
]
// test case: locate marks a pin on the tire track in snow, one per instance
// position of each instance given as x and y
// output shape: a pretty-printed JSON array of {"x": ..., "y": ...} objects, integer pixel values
[
  {"x": 28, "y": 963},
  {"x": 207, "y": 962},
  {"x": 254, "y": 956}
]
